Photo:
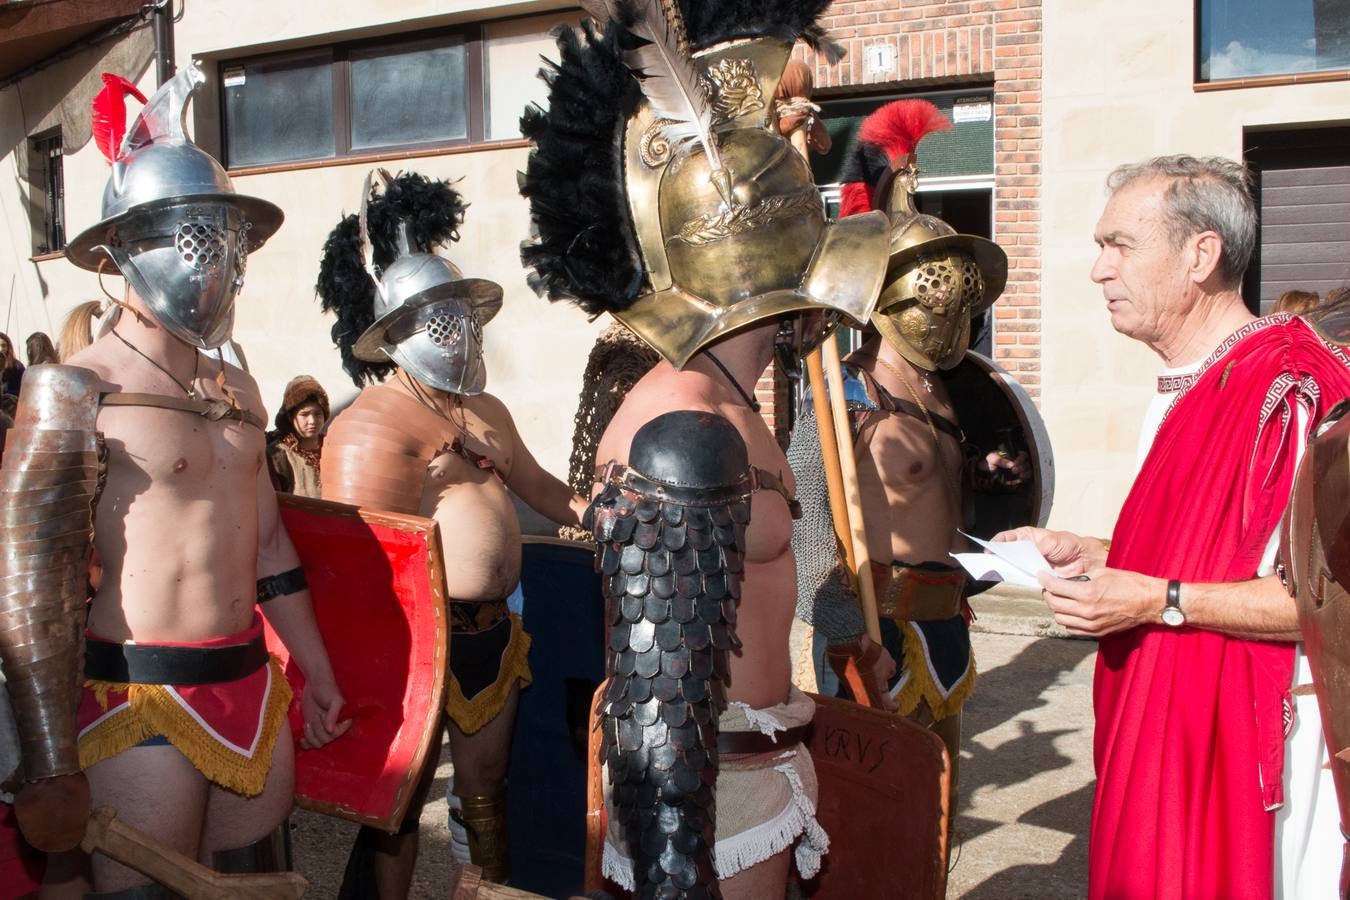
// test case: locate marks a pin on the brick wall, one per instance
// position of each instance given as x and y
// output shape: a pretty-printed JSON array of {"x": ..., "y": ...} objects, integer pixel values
[
  {"x": 957, "y": 43},
  {"x": 773, "y": 395}
]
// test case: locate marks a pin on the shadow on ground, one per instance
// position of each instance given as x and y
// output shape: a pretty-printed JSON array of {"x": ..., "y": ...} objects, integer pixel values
[{"x": 1025, "y": 795}]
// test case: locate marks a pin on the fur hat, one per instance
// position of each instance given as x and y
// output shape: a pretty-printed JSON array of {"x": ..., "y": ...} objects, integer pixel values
[{"x": 300, "y": 390}]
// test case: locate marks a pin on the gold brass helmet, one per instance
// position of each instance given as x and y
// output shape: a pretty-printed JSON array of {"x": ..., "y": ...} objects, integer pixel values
[
  {"x": 724, "y": 249},
  {"x": 937, "y": 281}
]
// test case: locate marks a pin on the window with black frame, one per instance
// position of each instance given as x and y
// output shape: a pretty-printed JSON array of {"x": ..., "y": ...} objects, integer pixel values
[
  {"x": 351, "y": 99},
  {"x": 49, "y": 193},
  {"x": 1259, "y": 38},
  {"x": 414, "y": 92}
]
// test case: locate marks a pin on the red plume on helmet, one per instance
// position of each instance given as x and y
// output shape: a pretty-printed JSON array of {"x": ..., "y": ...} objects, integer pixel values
[
  {"x": 886, "y": 136},
  {"x": 109, "y": 117}
]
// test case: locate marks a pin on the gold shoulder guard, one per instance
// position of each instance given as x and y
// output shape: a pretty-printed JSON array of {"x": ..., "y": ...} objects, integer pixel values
[{"x": 49, "y": 482}]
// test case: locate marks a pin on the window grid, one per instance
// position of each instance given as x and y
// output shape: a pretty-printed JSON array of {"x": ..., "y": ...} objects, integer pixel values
[{"x": 340, "y": 65}]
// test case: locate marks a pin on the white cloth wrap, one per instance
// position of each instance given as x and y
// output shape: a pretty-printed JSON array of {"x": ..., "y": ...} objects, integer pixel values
[{"x": 765, "y": 803}]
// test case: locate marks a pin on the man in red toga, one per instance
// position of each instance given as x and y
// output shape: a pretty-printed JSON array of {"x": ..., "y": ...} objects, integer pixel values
[{"x": 1196, "y": 657}]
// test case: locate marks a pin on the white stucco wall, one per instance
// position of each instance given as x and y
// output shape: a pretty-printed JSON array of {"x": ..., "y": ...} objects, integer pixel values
[{"x": 1118, "y": 88}]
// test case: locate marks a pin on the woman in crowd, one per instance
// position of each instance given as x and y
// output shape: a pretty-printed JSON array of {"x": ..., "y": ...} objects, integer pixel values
[
  {"x": 293, "y": 448},
  {"x": 11, "y": 370},
  {"x": 40, "y": 350},
  {"x": 1296, "y": 302}
]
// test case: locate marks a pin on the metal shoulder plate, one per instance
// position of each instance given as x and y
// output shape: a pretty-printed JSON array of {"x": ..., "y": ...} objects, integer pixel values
[
  {"x": 49, "y": 483},
  {"x": 671, "y": 533}
]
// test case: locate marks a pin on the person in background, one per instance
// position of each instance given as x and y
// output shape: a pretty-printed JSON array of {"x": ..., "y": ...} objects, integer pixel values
[
  {"x": 39, "y": 349},
  {"x": 1296, "y": 303},
  {"x": 11, "y": 370},
  {"x": 77, "y": 332},
  {"x": 293, "y": 448}
]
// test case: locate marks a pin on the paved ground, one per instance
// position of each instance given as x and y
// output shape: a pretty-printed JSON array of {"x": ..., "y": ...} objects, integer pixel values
[{"x": 1026, "y": 775}]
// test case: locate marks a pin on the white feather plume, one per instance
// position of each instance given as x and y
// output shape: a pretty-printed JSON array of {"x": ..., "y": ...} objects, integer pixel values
[
  {"x": 363, "y": 235},
  {"x": 671, "y": 80}
]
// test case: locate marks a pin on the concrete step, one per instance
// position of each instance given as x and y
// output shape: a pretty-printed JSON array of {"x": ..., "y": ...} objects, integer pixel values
[{"x": 1010, "y": 609}]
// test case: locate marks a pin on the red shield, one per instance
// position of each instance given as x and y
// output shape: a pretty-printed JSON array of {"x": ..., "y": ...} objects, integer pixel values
[
  {"x": 884, "y": 801},
  {"x": 378, "y": 584}
]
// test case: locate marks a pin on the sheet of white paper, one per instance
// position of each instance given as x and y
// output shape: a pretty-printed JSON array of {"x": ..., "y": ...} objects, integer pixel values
[
  {"x": 987, "y": 567},
  {"x": 1016, "y": 562},
  {"x": 1022, "y": 554}
]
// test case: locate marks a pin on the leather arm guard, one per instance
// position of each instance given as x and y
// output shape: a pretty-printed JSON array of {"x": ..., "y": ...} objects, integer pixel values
[
  {"x": 671, "y": 533},
  {"x": 49, "y": 484}
]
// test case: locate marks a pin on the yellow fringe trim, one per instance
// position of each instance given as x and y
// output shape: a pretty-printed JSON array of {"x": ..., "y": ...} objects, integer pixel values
[
  {"x": 471, "y": 715},
  {"x": 153, "y": 712},
  {"x": 921, "y": 686}
]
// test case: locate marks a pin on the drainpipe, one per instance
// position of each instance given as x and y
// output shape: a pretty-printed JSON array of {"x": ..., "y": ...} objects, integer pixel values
[{"x": 163, "y": 26}]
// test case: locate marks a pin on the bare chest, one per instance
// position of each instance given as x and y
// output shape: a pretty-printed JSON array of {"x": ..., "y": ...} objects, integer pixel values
[
  {"x": 905, "y": 453},
  {"x": 178, "y": 449}
]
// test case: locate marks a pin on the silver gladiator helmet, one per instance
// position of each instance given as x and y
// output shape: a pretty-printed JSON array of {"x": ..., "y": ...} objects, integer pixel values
[
  {"x": 172, "y": 223},
  {"x": 429, "y": 318}
]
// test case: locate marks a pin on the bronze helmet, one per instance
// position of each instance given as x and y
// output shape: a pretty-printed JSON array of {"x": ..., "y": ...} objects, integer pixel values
[
  {"x": 937, "y": 281},
  {"x": 723, "y": 219}
]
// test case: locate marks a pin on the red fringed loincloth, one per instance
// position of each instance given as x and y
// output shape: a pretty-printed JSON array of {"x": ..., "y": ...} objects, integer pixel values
[{"x": 227, "y": 729}]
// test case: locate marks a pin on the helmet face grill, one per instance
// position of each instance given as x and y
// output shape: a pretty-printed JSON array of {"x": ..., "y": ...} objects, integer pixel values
[
  {"x": 972, "y": 280},
  {"x": 201, "y": 245},
  {"x": 927, "y": 306},
  {"x": 447, "y": 330},
  {"x": 934, "y": 280}
]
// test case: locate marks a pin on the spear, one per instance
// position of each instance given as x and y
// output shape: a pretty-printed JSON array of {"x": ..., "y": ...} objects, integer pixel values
[{"x": 836, "y": 447}]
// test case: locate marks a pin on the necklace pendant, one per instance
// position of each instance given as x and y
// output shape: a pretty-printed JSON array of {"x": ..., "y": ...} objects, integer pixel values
[{"x": 192, "y": 394}]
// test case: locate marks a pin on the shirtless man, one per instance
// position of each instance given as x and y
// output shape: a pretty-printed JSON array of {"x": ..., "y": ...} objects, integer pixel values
[
  {"x": 429, "y": 442},
  {"x": 188, "y": 745},
  {"x": 910, "y": 448},
  {"x": 727, "y": 248}
]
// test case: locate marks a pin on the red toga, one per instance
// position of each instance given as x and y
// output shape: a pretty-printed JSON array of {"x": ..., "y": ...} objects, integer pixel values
[{"x": 1189, "y": 743}]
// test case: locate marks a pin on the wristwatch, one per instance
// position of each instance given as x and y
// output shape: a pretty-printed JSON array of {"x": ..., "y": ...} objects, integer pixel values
[{"x": 1171, "y": 612}]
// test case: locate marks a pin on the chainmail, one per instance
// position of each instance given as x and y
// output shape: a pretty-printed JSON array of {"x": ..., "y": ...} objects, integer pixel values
[
  {"x": 824, "y": 598},
  {"x": 618, "y": 361}
]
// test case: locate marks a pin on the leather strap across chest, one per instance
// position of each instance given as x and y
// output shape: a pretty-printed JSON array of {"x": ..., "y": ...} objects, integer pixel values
[
  {"x": 478, "y": 460},
  {"x": 214, "y": 410},
  {"x": 891, "y": 403}
]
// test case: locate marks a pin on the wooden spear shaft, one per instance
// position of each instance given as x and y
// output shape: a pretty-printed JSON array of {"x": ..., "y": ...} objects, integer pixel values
[
  {"x": 829, "y": 446},
  {"x": 829, "y": 454},
  {"x": 861, "y": 565},
  {"x": 841, "y": 470}
]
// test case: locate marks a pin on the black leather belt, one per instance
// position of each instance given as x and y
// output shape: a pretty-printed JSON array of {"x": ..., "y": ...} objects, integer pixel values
[
  {"x": 748, "y": 742},
  {"x": 152, "y": 664}
]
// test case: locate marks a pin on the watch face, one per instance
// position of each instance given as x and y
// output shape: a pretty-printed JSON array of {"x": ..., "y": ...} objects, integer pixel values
[{"x": 1173, "y": 616}]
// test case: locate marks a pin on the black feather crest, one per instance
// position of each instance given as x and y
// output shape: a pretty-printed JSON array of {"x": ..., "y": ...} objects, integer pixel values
[
  {"x": 864, "y": 162},
  {"x": 584, "y": 249},
  {"x": 435, "y": 211},
  {"x": 714, "y": 21}
]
